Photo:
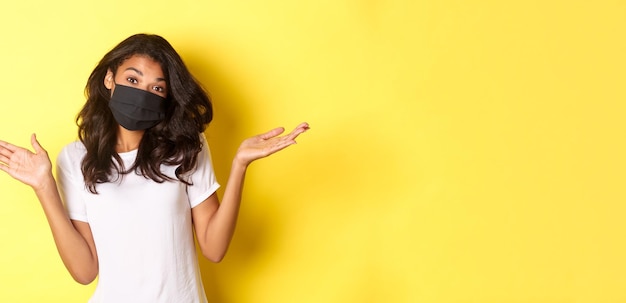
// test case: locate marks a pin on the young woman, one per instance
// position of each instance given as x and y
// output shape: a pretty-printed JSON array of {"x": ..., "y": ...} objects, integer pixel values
[{"x": 140, "y": 180}]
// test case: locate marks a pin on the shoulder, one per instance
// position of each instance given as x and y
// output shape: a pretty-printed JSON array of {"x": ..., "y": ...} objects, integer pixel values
[
  {"x": 71, "y": 153},
  {"x": 75, "y": 148},
  {"x": 204, "y": 146},
  {"x": 203, "y": 139}
]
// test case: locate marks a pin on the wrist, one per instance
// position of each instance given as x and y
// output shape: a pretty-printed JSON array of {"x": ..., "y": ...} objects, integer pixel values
[
  {"x": 45, "y": 185},
  {"x": 239, "y": 164}
]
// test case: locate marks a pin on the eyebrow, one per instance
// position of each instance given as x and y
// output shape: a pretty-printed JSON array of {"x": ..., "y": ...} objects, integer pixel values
[{"x": 141, "y": 74}]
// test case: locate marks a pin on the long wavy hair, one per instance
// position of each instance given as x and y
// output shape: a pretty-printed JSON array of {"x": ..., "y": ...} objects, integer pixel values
[{"x": 174, "y": 141}]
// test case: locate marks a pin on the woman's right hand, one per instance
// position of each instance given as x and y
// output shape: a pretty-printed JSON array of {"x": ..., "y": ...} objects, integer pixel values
[{"x": 33, "y": 169}]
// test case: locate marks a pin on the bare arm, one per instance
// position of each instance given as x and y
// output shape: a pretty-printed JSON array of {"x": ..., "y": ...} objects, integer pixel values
[
  {"x": 72, "y": 238},
  {"x": 214, "y": 222}
]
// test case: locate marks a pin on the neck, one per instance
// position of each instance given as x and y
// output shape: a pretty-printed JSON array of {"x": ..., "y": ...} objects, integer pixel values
[{"x": 128, "y": 140}]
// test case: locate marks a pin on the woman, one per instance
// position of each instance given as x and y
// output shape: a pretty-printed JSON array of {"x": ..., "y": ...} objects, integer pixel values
[{"x": 140, "y": 180}]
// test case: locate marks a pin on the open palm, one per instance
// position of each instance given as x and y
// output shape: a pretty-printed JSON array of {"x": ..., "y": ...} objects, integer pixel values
[
  {"x": 263, "y": 145},
  {"x": 23, "y": 165}
]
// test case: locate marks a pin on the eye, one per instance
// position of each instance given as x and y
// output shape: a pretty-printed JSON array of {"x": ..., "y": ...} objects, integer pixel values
[
  {"x": 159, "y": 89},
  {"x": 131, "y": 80}
]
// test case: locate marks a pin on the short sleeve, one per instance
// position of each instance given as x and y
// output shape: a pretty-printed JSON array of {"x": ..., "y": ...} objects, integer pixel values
[
  {"x": 203, "y": 180},
  {"x": 70, "y": 182}
]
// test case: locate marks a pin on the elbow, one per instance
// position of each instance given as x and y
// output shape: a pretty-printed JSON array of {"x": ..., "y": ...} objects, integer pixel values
[
  {"x": 213, "y": 256},
  {"x": 84, "y": 281},
  {"x": 84, "y": 277},
  {"x": 216, "y": 259}
]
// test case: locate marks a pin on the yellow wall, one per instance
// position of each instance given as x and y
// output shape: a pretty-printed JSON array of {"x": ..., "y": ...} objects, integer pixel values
[{"x": 460, "y": 151}]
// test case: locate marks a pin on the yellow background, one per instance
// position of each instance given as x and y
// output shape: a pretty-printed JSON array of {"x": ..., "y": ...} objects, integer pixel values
[{"x": 460, "y": 151}]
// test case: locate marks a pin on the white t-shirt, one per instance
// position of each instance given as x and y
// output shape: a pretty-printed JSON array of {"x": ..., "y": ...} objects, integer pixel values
[{"x": 142, "y": 229}]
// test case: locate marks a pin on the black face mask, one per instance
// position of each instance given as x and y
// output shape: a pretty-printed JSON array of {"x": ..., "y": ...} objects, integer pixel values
[{"x": 136, "y": 109}]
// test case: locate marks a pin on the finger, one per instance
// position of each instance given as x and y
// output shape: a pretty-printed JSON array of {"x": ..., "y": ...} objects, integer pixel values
[
  {"x": 5, "y": 152},
  {"x": 8, "y": 146},
  {"x": 303, "y": 127},
  {"x": 4, "y": 168},
  {"x": 272, "y": 133},
  {"x": 4, "y": 159},
  {"x": 282, "y": 144},
  {"x": 35, "y": 144}
]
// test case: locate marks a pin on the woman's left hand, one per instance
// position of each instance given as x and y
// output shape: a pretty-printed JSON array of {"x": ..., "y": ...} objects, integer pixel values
[{"x": 263, "y": 145}]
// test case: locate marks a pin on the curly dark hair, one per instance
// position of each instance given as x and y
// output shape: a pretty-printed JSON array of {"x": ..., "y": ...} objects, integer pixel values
[{"x": 174, "y": 141}]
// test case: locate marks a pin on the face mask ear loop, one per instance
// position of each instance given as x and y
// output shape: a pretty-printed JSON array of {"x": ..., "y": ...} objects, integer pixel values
[{"x": 112, "y": 78}]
